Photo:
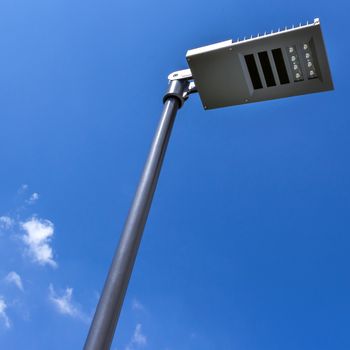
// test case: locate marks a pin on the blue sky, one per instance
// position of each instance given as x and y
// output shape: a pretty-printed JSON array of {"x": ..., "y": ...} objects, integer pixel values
[{"x": 246, "y": 246}]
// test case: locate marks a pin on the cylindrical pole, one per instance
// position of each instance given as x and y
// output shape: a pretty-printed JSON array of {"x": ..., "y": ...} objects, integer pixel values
[{"x": 108, "y": 309}]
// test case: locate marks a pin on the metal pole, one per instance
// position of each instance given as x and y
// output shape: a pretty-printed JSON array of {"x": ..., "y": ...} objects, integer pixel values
[{"x": 108, "y": 309}]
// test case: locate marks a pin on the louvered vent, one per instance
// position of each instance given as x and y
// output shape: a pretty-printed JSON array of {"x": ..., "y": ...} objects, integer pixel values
[{"x": 263, "y": 59}]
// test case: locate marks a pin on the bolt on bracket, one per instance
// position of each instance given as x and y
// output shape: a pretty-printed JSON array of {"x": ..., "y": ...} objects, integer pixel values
[
  {"x": 184, "y": 74},
  {"x": 182, "y": 78}
]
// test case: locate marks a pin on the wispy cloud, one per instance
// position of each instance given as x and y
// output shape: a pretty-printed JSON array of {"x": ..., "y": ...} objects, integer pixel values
[
  {"x": 3, "y": 315},
  {"x": 64, "y": 304},
  {"x": 14, "y": 278},
  {"x": 137, "y": 306},
  {"x": 6, "y": 222},
  {"x": 33, "y": 198},
  {"x": 37, "y": 237},
  {"x": 138, "y": 339},
  {"x": 22, "y": 189}
]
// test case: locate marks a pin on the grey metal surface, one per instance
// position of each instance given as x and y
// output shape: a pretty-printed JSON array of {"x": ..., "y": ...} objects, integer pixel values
[
  {"x": 178, "y": 89},
  {"x": 222, "y": 78},
  {"x": 108, "y": 309},
  {"x": 180, "y": 74}
]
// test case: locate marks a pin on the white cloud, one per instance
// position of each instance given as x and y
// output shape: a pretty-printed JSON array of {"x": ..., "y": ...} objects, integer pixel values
[
  {"x": 138, "y": 339},
  {"x": 33, "y": 198},
  {"x": 3, "y": 315},
  {"x": 64, "y": 304},
  {"x": 6, "y": 222},
  {"x": 137, "y": 306},
  {"x": 38, "y": 238},
  {"x": 23, "y": 188},
  {"x": 14, "y": 278}
]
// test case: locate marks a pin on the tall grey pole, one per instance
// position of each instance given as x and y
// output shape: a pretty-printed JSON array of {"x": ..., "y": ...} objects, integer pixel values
[{"x": 108, "y": 309}]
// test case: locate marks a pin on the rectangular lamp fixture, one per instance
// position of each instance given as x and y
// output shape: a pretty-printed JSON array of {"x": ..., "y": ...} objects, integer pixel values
[{"x": 286, "y": 63}]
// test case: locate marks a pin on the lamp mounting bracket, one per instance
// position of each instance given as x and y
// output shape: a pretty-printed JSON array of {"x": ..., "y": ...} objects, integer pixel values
[
  {"x": 181, "y": 85},
  {"x": 184, "y": 74}
]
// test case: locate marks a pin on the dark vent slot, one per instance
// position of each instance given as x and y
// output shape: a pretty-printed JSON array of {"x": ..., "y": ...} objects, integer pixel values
[
  {"x": 253, "y": 71},
  {"x": 267, "y": 69},
  {"x": 280, "y": 66}
]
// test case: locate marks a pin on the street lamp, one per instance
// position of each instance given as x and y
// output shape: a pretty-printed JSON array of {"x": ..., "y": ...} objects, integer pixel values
[
  {"x": 286, "y": 63},
  {"x": 281, "y": 64}
]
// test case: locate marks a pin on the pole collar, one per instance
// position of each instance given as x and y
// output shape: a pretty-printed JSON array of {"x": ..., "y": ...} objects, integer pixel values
[
  {"x": 180, "y": 86},
  {"x": 176, "y": 88}
]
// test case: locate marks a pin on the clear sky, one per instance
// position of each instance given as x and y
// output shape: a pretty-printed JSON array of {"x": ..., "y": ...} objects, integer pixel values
[{"x": 247, "y": 242}]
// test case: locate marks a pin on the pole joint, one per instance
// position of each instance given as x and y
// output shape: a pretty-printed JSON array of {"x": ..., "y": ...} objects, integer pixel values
[{"x": 180, "y": 86}]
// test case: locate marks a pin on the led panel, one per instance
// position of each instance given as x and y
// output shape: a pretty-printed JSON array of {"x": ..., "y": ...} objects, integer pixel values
[{"x": 286, "y": 63}]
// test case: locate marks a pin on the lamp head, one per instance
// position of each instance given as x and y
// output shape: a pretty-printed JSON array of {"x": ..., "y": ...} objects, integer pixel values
[{"x": 286, "y": 63}]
